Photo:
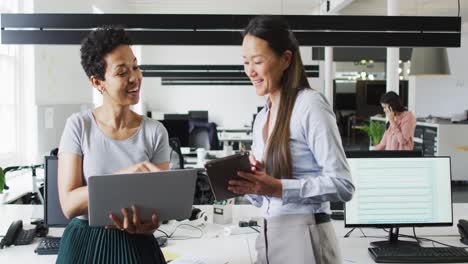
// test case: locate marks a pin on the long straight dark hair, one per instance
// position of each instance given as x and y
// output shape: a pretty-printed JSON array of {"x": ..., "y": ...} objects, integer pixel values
[{"x": 275, "y": 31}]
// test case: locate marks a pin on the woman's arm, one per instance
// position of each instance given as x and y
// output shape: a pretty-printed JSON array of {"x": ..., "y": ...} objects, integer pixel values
[
  {"x": 321, "y": 135},
  {"x": 73, "y": 194},
  {"x": 383, "y": 142},
  {"x": 163, "y": 166},
  {"x": 334, "y": 182},
  {"x": 404, "y": 132}
]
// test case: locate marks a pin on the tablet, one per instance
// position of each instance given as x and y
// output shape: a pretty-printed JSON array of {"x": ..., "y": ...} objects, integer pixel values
[
  {"x": 169, "y": 193},
  {"x": 220, "y": 171}
]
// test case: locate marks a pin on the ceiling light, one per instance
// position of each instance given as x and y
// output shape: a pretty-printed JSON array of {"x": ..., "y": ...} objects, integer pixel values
[{"x": 429, "y": 61}]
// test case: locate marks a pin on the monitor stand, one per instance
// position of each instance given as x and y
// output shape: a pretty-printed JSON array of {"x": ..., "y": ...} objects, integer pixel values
[{"x": 393, "y": 241}]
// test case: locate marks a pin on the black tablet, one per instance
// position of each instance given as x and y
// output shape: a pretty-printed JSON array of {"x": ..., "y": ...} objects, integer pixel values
[{"x": 220, "y": 171}]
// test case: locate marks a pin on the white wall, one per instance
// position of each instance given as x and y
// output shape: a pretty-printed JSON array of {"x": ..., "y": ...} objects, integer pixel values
[
  {"x": 445, "y": 96},
  {"x": 229, "y": 105},
  {"x": 60, "y": 79}
]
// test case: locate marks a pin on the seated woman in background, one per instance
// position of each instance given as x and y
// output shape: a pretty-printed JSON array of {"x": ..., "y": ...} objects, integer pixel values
[
  {"x": 399, "y": 135},
  {"x": 109, "y": 139}
]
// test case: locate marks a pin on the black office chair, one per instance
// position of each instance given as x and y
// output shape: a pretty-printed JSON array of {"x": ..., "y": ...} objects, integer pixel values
[{"x": 176, "y": 157}]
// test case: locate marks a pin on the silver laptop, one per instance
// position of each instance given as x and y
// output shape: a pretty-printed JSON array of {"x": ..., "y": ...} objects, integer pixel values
[{"x": 169, "y": 193}]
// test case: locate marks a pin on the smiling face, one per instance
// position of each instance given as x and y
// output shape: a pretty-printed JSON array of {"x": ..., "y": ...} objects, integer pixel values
[
  {"x": 122, "y": 79},
  {"x": 262, "y": 65}
]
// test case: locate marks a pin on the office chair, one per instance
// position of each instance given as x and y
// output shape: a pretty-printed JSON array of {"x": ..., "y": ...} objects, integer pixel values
[
  {"x": 200, "y": 138},
  {"x": 176, "y": 157}
]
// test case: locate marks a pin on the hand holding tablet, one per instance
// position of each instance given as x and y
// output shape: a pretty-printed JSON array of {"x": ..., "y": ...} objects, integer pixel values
[{"x": 220, "y": 171}]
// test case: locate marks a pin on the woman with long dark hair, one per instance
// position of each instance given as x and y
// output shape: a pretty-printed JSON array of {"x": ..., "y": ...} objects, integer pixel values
[
  {"x": 400, "y": 132},
  {"x": 298, "y": 162}
]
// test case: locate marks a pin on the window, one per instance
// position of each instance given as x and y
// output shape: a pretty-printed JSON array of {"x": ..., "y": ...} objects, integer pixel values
[{"x": 9, "y": 92}]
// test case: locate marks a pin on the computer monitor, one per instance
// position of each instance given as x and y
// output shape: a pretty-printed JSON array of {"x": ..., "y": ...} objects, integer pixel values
[
  {"x": 198, "y": 115},
  {"x": 176, "y": 117},
  {"x": 338, "y": 207},
  {"x": 345, "y": 101},
  {"x": 179, "y": 129},
  {"x": 53, "y": 214},
  {"x": 400, "y": 192}
]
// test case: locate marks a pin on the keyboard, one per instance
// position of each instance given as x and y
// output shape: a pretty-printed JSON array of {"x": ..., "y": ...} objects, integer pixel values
[
  {"x": 48, "y": 246},
  {"x": 419, "y": 255},
  {"x": 25, "y": 237}
]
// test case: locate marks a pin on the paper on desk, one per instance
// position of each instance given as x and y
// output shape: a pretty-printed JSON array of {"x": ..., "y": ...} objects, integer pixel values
[
  {"x": 188, "y": 260},
  {"x": 170, "y": 256}
]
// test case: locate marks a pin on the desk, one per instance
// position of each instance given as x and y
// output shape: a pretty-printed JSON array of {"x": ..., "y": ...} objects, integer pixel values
[
  {"x": 215, "y": 248},
  {"x": 20, "y": 183},
  {"x": 212, "y": 248},
  {"x": 234, "y": 129},
  {"x": 241, "y": 138},
  {"x": 191, "y": 161}
]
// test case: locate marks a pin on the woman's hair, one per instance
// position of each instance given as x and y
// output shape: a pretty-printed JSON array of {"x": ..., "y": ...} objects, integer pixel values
[
  {"x": 97, "y": 44},
  {"x": 393, "y": 100},
  {"x": 275, "y": 31}
]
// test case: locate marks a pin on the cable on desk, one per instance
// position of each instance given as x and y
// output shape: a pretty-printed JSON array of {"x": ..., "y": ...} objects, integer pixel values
[
  {"x": 414, "y": 233},
  {"x": 349, "y": 233},
  {"x": 165, "y": 234},
  {"x": 171, "y": 235},
  {"x": 258, "y": 231}
]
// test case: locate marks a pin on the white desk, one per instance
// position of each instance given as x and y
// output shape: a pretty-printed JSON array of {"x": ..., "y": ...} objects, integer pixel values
[
  {"x": 216, "y": 248},
  {"x": 212, "y": 248},
  {"x": 221, "y": 129},
  {"x": 235, "y": 137},
  {"x": 20, "y": 183}
]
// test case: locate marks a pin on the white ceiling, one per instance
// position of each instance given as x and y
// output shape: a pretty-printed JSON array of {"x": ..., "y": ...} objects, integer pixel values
[
  {"x": 224, "y": 6},
  {"x": 298, "y": 7},
  {"x": 408, "y": 7},
  {"x": 294, "y": 7}
]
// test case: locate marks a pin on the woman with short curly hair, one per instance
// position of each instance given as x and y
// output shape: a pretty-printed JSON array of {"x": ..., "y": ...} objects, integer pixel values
[{"x": 109, "y": 139}]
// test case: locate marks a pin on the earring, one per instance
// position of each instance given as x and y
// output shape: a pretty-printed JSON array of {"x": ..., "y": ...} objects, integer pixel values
[{"x": 100, "y": 91}]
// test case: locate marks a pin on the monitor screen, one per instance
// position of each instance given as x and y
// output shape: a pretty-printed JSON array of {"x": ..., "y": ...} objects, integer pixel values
[
  {"x": 178, "y": 129},
  {"x": 198, "y": 115},
  {"x": 336, "y": 206},
  {"x": 345, "y": 101},
  {"x": 373, "y": 93},
  {"x": 53, "y": 215},
  {"x": 396, "y": 192}
]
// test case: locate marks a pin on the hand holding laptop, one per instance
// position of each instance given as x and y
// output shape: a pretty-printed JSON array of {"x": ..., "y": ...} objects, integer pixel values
[{"x": 132, "y": 224}]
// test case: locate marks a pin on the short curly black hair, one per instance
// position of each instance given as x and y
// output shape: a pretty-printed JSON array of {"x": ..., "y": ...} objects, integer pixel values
[{"x": 97, "y": 44}]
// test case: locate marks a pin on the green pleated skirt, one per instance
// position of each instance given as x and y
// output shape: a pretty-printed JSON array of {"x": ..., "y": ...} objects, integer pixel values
[{"x": 81, "y": 243}]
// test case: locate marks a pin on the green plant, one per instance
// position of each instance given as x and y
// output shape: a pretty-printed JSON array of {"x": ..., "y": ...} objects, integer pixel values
[{"x": 374, "y": 130}]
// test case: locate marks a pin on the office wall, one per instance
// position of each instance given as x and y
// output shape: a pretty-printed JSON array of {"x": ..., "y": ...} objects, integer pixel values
[
  {"x": 60, "y": 84},
  {"x": 445, "y": 96},
  {"x": 228, "y": 105}
]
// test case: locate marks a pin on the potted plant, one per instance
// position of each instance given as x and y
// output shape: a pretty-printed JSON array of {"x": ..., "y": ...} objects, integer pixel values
[{"x": 375, "y": 131}]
